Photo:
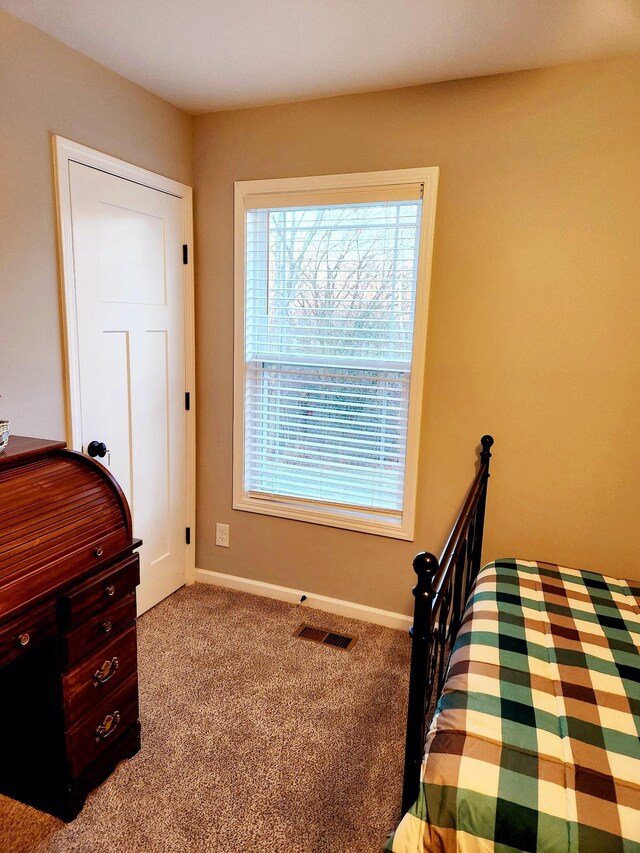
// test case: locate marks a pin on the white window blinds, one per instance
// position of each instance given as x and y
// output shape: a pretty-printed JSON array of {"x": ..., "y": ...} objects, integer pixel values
[{"x": 329, "y": 304}]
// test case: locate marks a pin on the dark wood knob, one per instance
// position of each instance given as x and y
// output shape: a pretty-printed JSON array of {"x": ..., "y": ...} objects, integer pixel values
[
  {"x": 107, "y": 626},
  {"x": 110, "y": 590}
]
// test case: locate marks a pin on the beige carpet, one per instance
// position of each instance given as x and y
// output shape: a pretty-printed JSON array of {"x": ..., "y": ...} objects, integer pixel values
[{"x": 251, "y": 740}]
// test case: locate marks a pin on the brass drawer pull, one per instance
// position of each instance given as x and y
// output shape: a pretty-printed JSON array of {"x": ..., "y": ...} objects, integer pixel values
[
  {"x": 110, "y": 590},
  {"x": 99, "y": 551},
  {"x": 108, "y": 726},
  {"x": 107, "y": 626},
  {"x": 106, "y": 671},
  {"x": 23, "y": 639}
]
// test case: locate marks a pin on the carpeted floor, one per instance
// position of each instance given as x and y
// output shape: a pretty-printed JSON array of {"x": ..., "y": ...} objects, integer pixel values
[{"x": 253, "y": 741}]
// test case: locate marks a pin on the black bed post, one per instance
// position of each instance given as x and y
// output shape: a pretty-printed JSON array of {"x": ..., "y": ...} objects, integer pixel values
[
  {"x": 485, "y": 456},
  {"x": 425, "y": 566},
  {"x": 440, "y": 600}
]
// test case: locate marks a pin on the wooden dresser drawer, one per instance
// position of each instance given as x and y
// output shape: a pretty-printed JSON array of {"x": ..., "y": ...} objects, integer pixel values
[
  {"x": 102, "y": 726},
  {"x": 99, "y": 628},
  {"x": 100, "y": 675},
  {"x": 93, "y": 596},
  {"x": 24, "y": 632}
]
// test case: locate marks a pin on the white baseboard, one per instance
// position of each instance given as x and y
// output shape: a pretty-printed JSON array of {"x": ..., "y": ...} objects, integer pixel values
[{"x": 318, "y": 602}]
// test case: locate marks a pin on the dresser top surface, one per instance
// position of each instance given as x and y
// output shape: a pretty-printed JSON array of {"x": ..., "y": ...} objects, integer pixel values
[{"x": 20, "y": 448}]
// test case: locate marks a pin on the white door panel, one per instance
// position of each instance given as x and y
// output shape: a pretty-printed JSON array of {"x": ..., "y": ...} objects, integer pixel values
[{"x": 127, "y": 248}]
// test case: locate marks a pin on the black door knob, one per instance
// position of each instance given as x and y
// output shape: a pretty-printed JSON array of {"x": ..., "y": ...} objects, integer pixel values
[{"x": 97, "y": 448}]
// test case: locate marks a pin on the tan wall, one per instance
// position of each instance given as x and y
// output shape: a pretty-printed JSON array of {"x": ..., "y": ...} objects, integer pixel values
[
  {"x": 47, "y": 88},
  {"x": 534, "y": 332}
]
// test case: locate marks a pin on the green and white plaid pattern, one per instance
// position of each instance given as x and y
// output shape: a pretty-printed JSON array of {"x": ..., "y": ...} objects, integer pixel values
[{"x": 535, "y": 745}]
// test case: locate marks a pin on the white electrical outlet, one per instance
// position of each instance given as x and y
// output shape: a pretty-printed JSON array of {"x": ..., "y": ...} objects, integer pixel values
[{"x": 222, "y": 535}]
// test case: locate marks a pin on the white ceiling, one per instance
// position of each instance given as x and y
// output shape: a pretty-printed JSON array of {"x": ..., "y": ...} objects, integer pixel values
[{"x": 206, "y": 55}]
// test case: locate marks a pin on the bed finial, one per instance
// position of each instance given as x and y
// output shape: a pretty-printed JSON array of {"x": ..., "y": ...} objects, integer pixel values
[
  {"x": 425, "y": 565},
  {"x": 487, "y": 443}
]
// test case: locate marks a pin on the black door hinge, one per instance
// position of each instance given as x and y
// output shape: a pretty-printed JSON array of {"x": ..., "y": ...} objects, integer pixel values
[
  {"x": 187, "y": 400},
  {"x": 185, "y": 254},
  {"x": 188, "y": 536}
]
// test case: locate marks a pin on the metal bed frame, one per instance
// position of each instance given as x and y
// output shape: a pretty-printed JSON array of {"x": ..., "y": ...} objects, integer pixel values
[{"x": 441, "y": 595}]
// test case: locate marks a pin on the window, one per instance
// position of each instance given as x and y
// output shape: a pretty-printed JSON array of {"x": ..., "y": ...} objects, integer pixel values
[{"x": 332, "y": 279}]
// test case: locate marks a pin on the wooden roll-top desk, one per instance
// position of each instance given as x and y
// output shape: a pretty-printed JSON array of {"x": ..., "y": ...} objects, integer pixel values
[{"x": 68, "y": 665}]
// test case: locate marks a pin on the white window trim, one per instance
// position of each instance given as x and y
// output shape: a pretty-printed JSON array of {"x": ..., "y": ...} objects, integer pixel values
[{"x": 349, "y": 519}]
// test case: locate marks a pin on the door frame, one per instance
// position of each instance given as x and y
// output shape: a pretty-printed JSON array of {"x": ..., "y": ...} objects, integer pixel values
[{"x": 66, "y": 151}]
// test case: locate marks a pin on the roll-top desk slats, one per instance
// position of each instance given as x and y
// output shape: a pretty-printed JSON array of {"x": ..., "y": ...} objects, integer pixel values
[{"x": 68, "y": 664}]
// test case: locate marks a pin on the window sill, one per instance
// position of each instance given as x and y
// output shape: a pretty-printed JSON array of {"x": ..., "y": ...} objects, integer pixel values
[{"x": 362, "y": 522}]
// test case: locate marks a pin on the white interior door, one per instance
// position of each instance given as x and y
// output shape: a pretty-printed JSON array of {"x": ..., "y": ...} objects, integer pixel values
[{"x": 130, "y": 317}]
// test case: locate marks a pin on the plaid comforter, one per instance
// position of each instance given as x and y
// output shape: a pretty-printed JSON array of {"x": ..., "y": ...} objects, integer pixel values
[{"x": 535, "y": 744}]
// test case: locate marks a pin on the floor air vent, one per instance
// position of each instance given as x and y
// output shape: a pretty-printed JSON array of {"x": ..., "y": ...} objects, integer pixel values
[{"x": 327, "y": 638}]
